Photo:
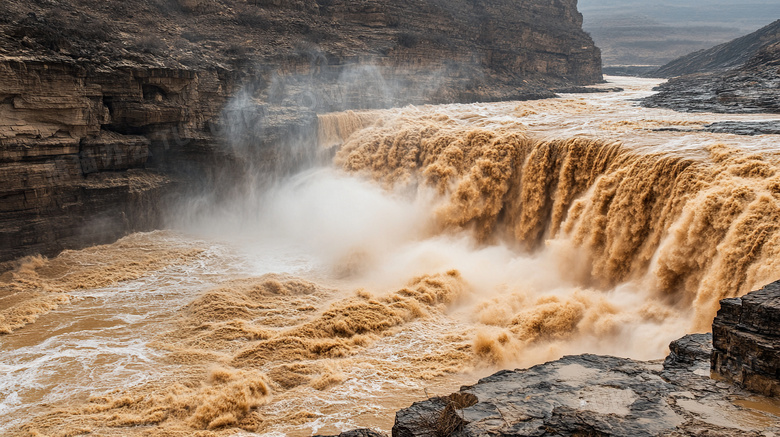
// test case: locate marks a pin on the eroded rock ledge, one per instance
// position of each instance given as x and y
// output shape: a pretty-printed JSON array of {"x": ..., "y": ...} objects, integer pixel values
[{"x": 589, "y": 395}]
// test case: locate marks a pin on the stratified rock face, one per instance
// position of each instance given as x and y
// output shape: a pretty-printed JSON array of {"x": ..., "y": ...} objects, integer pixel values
[
  {"x": 497, "y": 42},
  {"x": 326, "y": 55},
  {"x": 751, "y": 86},
  {"x": 595, "y": 396},
  {"x": 746, "y": 336},
  {"x": 105, "y": 107},
  {"x": 76, "y": 148}
]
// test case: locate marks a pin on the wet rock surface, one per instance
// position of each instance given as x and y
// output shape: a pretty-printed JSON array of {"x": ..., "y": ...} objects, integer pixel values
[
  {"x": 747, "y": 341},
  {"x": 745, "y": 128},
  {"x": 608, "y": 396},
  {"x": 357, "y": 433},
  {"x": 691, "y": 352},
  {"x": 597, "y": 395},
  {"x": 742, "y": 91}
]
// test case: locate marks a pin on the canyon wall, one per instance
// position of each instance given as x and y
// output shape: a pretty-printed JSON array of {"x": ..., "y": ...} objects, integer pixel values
[
  {"x": 105, "y": 110},
  {"x": 732, "y": 54},
  {"x": 637, "y": 37},
  {"x": 83, "y": 157}
]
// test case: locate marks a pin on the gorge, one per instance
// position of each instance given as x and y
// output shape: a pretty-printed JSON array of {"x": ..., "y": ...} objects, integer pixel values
[
  {"x": 105, "y": 112},
  {"x": 402, "y": 266},
  {"x": 361, "y": 205}
]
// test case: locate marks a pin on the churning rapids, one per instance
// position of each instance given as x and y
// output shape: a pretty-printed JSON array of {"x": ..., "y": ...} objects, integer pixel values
[{"x": 440, "y": 244}]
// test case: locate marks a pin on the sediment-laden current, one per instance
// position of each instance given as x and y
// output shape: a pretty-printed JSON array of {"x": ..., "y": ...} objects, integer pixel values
[{"x": 440, "y": 244}]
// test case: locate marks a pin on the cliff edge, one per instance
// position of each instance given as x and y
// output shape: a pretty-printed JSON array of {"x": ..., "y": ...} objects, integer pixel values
[{"x": 107, "y": 108}]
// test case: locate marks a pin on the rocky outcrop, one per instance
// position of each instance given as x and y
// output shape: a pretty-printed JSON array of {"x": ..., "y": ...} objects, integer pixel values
[
  {"x": 750, "y": 87},
  {"x": 608, "y": 396},
  {"x": 594, "y": 395},
  {"x": 104, "y": 111},
  {"x": 747, "y": 341},
  {"x": 744, "y": 127},
  {"x": 733, "y": 127}
]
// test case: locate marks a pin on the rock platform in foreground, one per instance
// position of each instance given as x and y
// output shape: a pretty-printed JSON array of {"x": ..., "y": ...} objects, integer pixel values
[{"x": 590, "y": 395}]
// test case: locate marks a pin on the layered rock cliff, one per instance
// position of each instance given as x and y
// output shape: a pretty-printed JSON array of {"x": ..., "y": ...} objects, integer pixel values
[
  {"x": 80, "y": 149},
  {"x": 737, "y": 77},
  {"x": 105, "y": 108}
]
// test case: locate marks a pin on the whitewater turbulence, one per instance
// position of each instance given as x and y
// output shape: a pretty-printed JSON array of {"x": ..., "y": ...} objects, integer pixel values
[
  {"x": 440, "y": 243},
  {"x": 693, "y": 230}
]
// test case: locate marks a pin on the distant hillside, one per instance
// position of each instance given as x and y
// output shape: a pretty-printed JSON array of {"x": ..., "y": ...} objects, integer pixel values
[
  {"x": 642, "y": 33},
  {"x": 725, "y": 56},
  {"x": 752, "y": 86}
]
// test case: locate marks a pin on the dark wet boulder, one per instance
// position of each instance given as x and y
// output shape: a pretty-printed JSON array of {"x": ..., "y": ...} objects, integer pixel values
[{"x": 746, "y": 337}]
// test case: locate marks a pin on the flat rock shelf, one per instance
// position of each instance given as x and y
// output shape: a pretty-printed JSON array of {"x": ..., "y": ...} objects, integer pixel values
[{"x": 607, "y": 396}]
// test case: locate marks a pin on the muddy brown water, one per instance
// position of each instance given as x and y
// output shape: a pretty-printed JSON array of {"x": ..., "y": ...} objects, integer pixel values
[{"x": 442, "y": 244}]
